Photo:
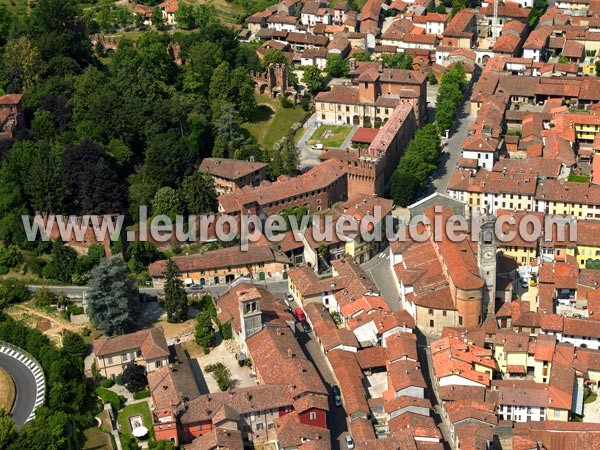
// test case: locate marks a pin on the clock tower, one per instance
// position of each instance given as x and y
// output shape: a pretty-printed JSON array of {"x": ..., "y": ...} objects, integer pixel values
[{"x": 486, "y": 258}]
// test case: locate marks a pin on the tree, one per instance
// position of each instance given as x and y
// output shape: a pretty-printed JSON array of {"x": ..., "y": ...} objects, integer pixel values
[
  {"x": 120, "y": 152},
  {"x": 452, "y": 88},
  {"x": 441, "y": 9},
  {"x": 175, "y": 297},
  {"x": 274, "y": 56},
  {"x": 313, "y": 79},
  {"x": 202, "y": 59},
  {"x": 73, "y": 345},
  {"x": 228, "y": 133},
  {"x": 8, "y": 430},
  {"x": 161, "y": 445},
  {"x": 597, "y": 68},
  {"x": 457, "y": 5},
  {"x": 404, "y": 188},
  {"x": 143, "y": 251},
  {"x": 134, "y": 377},
  {"x": 112, "y": 297},
  {"x": 290, "y": 155},
  {"x": 168, "y": 159},
  {"x": 362, "y": 56},
  {"x": 92, "y": 178},
  {"x": 13, "y": 291},
  {"x": 62, "y": 263},
  {"x": 199, "y": 193},
  {"x": 167, "y": 202},
  {"x": 185, "y": 16},
  {"x": 205, "y": 333},
  {"x": 57, "y": 30},
  {"x": 399, "y": 61},
  {"x": 157, "y": 19},
  {"x": 431, "y": 78},
  {"x": 22, "y": 64},
  {"x": 337, "y": 67}
]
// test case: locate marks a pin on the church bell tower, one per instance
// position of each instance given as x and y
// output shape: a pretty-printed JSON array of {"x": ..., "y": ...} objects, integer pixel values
[{"x": 487, "y": 261}]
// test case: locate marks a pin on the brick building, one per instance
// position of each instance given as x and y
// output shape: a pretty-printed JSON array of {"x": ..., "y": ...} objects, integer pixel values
[
  {"x": 318, "y": 189},
  {"x": 373, "y": 95},
  {"x": 231, "y": 174},
  {"x": 370, "y": 170}
]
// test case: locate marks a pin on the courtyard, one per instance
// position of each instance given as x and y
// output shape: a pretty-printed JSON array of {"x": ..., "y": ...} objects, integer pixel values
[
  {"x": 223, "y": 353},
  {"x": 330, "y": 135}
]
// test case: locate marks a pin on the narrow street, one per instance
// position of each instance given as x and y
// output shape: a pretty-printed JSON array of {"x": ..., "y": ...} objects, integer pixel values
[
  {"x": 336, "y": 418},
  {"x": 451, "y": 152},
  {"x": 378, "y": 268}
]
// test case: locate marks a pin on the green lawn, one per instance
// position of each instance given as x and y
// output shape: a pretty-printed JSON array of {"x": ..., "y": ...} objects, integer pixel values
[
  {"x": 141, "y": 409},
  {"x": 272, "y": 121},
  {"x": 330, "y": 135},
  {"x": 96, "y": 439}
]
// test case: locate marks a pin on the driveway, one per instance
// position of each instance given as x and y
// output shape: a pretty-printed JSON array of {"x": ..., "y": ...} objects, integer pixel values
[{"x": 308, "y": 157}]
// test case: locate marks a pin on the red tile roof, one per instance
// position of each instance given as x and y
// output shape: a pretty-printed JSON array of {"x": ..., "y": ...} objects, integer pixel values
[{"x": 150, "y": 342}]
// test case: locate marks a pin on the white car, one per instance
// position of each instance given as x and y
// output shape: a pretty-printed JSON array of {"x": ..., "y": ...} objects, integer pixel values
[
  {"x": 349, "y": 442},
  {"x": 317, "y": 147}
]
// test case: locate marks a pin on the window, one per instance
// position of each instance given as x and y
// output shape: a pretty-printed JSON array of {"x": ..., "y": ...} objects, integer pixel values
[
  {"x": 158, "y": 364},
  {"x": 110, "y": 360},
  {"x": 430, "y": 312},
  {"x": 313, "y": 416},
  {"x": 431, "y": 323},
  {"x": 259, "y": 426},
  {"x": 138, "y": 354},
  {"x": 271, "y": 426},
  {"x": 460, "y": 320},
  {"x": 445, "y": 313}
]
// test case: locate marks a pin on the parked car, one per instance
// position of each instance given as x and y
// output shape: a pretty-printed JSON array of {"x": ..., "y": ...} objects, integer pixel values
[
  {"x": 336, "y": 390},
  {"x": 524, "y": 284},
  {"x": 195, "y": 287},
  {"x": 349, "y": 442},
  {"x": 337, "y": 400},
  {"x": 306, "y": 326},
  {"x": 300, "y": 315},
  {"x": 317, "y": 147},
  {"x": 289, "y": 298}
]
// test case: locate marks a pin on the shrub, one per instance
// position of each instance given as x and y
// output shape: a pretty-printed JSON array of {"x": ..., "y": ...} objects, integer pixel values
[
  {"x": 110, "y": 397},
  {"x": 286, "y": 102},
  {"x": 226, "y": 331},
  {"x": 119, "y": 379},
  {"x": 74, "y": 309},
  {"x": 141, "y": 394},
  {"x": 95, "y": 372},
  {"x": 222, "y": 376},
  {"x": 212, "y": 367},
  {"x": 106, "y": 383},
  {"x": 86, "y": 331},
  {"x": 65, "y": 314},
  {"x": 3, "y": 270}
]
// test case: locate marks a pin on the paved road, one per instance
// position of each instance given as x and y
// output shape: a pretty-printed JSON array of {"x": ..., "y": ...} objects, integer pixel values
[
  {"x": 25, "y": 387},
  {"x": 336, "y": 418},
  {"x": 277, "y": 287},
  {"x": 378, "y": 268},
  {"x": 452, "y": 150},
  {"x": 424, "y": 353}
]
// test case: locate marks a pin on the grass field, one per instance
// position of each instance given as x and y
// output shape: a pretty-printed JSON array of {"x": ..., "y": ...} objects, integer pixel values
[
  {"x": 7, "y": 391},
  {"x": 272, "y": 121},
  {"x": 137, "y": 409},
  {"x": 96, "y": 439},
  {"x": 330, "y": 135}
]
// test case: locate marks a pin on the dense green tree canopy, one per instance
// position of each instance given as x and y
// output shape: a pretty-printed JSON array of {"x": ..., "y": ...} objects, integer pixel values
[{"x": 112, "y": 297}]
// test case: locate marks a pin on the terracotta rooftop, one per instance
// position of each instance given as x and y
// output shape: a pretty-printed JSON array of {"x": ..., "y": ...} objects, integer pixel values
[
  {"x": 230, "y": 169},
  {"x": 232, "y": 256},
  {"x": 150, "y": 342}
]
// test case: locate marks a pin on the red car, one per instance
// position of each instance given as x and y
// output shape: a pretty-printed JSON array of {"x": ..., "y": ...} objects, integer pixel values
[{"x": 300, "y": 314}]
